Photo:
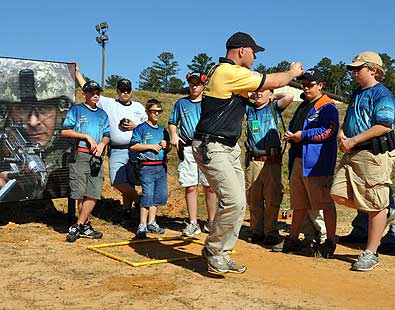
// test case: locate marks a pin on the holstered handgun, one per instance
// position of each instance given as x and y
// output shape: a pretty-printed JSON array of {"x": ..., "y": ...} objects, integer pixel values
[{"x": 180, "y": 151}]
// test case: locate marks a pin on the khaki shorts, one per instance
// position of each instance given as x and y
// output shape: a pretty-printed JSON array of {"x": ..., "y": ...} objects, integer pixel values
[
  {"x": 310, "y": 193},
  {"x": 365, "y": 178}
]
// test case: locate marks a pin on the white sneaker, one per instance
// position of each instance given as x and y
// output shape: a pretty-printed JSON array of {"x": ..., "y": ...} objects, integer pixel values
[{"x": 191, "y": 230}]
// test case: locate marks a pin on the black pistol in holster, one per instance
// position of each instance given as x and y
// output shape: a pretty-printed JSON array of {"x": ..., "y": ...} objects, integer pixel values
[
  {"x": 378, "y": 145},
  {"x": 180, "y": 150},
  {"x": 248, "y": 154},
  {"x": 204, "y": 148}
]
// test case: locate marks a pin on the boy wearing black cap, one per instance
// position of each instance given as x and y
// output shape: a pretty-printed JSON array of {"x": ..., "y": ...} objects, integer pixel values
[
  {"x": 215, "y": 145},
  {"x": 312, "y": 159},
  {"x": 186, "y": 114},
  {"x": 88, "y": 125},
  {"x": 124, "y": 115}
]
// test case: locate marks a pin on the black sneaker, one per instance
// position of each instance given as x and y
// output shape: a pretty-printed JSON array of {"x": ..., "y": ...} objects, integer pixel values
[
  {"x": 325, "y": 249},
  {"x": 255, "y": 238},
  {"x": 74, "y": 233},
  {"x": 87, "y": 231},
  {"x": 272, "y": 240},
  {"x": 288, "y": 245}
]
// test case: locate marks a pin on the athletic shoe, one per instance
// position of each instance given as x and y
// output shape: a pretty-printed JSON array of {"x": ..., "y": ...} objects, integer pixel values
[
  {"x": 288, "y": 245},
  {"x": 191, "y": 230},
  {"x": 325, "y": 249},
  {"x": 351, "y": 238},
  {"x": 87, "y": 231},
  {"x": 390, "y": 216},
  {"x": 272, "y": 240},
  {"x": 74, "y": 233},
  {"x": 154, "y": 228},
  {"x": 215, "y": 263},
  {"x": 233, "y": 266},
  {"x": 366, "y": 261},
  {"x": 141, "y": 232},
  {"x": 255, "y": 238},
  {"x": 207, "y": 226}
]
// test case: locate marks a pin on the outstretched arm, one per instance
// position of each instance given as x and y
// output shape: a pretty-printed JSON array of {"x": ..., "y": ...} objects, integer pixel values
[
  {"x": 280, "y": 79},
  {"x": 78, "y": 75}
]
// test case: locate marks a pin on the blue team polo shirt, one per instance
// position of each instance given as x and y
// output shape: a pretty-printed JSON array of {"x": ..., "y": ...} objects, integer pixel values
[
  {"x": 147, "y": 134},
  {"x": 368, "y": 107},
  {"x": 93, "y": 122},
  {"x": 187, "y": 114}
]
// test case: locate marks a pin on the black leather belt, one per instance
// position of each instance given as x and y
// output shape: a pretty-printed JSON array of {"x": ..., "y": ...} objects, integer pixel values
[
  {"x": 213, "y": 138},
  {"x": 120, "y": 147}
]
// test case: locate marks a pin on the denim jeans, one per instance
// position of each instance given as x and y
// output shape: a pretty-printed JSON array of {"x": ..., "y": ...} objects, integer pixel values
[{"x": 154, "y": 185}]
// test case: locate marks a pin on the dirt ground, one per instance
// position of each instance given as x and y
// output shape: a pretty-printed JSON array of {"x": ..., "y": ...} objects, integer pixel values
[{"x": 40, "y": 270}]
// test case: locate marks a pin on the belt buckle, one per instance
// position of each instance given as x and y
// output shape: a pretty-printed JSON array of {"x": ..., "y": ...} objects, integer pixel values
[{"x": 261, "y": 158}]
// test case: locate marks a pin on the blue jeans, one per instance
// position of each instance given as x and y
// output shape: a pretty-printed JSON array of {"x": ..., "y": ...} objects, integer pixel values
[
  {"x": 361, "y": 222},
  {"x": 154, "y": 185}
]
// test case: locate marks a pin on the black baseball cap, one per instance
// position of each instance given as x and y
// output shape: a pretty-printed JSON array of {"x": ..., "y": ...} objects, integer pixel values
[
  {"x": 124, "y": 84},
  {"x": 312, "y": 74},
  {"x": 90, "y": 86},
  {"x": 194, "y": 75},
  {"x": 241, "y": 39}
]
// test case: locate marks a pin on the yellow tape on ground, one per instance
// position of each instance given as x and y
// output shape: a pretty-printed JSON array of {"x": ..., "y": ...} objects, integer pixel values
[{"x": 97, "y": 249}]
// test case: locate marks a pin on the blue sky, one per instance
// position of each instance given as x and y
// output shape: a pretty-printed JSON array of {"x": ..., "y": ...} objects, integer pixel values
[{"x": 140, "y": 30}]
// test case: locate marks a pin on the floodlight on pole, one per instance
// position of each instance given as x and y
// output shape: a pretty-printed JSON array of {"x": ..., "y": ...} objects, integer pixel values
[{"x": 102, "y": 39}]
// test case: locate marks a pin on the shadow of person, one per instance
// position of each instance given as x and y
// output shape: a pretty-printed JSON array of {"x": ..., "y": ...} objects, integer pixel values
[
  {"x": 177, "y": 252},
  {"x": 40, "y": 211}
]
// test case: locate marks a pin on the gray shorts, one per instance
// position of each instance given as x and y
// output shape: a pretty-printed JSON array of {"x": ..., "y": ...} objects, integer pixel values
[
  {"x": 189, "y": 173},
  {"x": 82, "y": 183}
]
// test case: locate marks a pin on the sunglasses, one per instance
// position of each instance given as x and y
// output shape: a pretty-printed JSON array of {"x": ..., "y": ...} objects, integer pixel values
[
  {"x": 125, "y": 90},
  {"x": 309, "y": 85},
  {"x": 156, "y": 111},
  {"x": 191, "y": 84},
  {"x": 359, "y": 68}
]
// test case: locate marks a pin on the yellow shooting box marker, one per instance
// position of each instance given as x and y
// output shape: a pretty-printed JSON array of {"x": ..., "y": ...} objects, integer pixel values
[{"x": 98, "y": 249}]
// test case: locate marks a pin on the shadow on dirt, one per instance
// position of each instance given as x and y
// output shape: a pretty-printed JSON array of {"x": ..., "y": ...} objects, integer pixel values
[
  {"x": 40, "y": 211},
  {"x": 175, "y": 249}
]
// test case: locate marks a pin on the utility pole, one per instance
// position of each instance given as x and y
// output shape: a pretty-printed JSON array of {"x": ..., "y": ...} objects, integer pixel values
[{"x": 102, "y": 39}]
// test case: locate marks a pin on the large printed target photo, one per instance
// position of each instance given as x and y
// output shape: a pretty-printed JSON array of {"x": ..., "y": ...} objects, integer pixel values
[{"x": 35, "y": 96}]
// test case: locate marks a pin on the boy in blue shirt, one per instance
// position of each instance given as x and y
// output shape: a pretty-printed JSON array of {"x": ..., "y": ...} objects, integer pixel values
[
  {"x": 186, "y": 114},
  {"x": 150, "y": 144},
  {"x": 89, "y": 126}
]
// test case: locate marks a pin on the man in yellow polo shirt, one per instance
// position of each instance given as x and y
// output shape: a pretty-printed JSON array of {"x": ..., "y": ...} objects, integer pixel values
[{"x": 215, "y": 145}]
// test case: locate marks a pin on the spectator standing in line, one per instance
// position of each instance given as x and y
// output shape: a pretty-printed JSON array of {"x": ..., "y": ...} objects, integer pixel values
[
  {"x": 312, "y": 159},
  {"x": 149, "y": 145},
  {"x": 124, "y": 115},
  {"x": 89, "y": 126},
  {"x": 368, "y": 142},
  {"x": 263, "y": 171},
  {"x": 186, "y": 114},
  {"x": 215, "y": 145}
]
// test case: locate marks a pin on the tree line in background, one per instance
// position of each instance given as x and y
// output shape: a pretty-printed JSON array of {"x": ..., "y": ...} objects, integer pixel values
[{"x": 162, "y": 75}]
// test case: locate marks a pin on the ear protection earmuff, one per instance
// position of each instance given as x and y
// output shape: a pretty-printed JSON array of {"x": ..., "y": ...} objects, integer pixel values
[{"x": 203, "y": 77}]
